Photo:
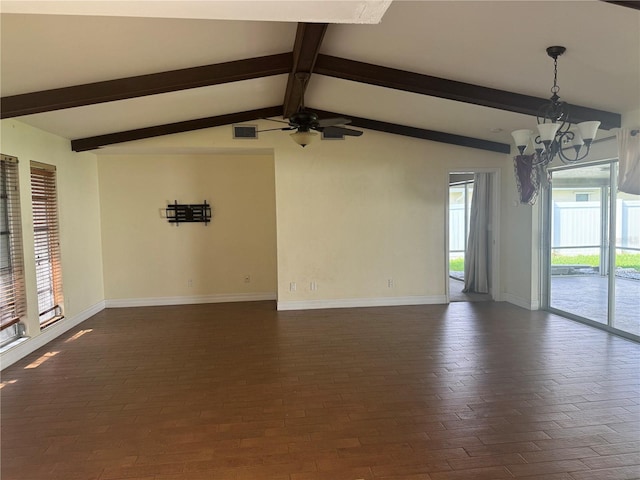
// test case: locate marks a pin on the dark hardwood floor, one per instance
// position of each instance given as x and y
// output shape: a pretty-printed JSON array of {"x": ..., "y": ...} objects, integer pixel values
[{"x": 239, "y": 391}]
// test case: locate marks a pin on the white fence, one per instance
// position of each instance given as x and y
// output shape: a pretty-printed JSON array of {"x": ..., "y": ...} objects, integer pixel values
[
  {"x": 578, "y": 224},
  {"x": 575, "y": 224},
  {"x": 456, "y": 227}
]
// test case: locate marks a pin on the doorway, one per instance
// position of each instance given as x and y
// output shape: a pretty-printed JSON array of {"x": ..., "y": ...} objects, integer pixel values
[{"x": 460, "y": 224}]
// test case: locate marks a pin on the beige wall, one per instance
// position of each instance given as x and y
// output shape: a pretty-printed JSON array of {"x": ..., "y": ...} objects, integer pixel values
[
  {"x": 631, "y": 119},
  {"x": 521, "y": 249},
  {"x": 353, "y": 214},
  {"x": 78, "y": 202},
  {"x": 145, "y": 257},
  {"x": 364, "y": 211}
]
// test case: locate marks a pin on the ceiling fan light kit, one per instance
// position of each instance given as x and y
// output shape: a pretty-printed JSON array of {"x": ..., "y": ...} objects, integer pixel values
[
  {"x": 556, "y": 134},
  {"x": 303, "y": 138}
]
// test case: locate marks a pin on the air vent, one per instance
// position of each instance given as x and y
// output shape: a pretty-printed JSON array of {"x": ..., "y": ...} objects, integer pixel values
[
  {"x": 332, "y": 135},
  {"x": 245, "y": 131}
]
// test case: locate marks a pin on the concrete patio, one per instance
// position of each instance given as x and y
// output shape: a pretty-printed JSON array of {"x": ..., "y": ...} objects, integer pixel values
[{"x": 586, "y": 296}]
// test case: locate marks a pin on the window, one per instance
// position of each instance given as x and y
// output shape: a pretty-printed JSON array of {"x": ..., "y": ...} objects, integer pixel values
[
  {"x": 47, "y": 243},
  {"x": 12, "y": 291},
  {"x": 582, "y": 197}
]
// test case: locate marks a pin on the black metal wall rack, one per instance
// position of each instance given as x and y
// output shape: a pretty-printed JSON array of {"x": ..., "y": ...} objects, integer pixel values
[{"x": 188, "y": 213}]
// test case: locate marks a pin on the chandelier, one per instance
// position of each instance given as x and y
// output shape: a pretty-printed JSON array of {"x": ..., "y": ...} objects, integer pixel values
[{"x": 556, "y": 136}]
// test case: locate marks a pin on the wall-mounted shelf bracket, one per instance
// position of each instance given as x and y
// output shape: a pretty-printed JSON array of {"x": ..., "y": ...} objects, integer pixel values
[{"x": 192, "y": 213}]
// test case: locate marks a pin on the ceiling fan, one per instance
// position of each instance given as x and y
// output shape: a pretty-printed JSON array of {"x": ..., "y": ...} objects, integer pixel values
[{"x": 306, "y": 123}]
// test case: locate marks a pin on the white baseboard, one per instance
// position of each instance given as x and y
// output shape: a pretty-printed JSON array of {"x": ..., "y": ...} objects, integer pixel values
[
  {"x": 23, "y": 347},
  {"x": 521, "y": 302},
  {"x": 190, "y": 300},
  {"x": 362, "y": 302}
]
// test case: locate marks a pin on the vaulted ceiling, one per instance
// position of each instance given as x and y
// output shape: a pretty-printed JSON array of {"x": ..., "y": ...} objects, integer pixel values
[{"x": 467, "y": 73}]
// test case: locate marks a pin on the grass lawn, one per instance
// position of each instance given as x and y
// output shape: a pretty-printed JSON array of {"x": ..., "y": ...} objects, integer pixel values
[
  {"x": 623, "y": 260},
  {"x": 456, "y": 265}
]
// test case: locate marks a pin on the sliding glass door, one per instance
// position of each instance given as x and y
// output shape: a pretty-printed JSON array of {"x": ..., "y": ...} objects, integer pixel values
[
  {"x": 626, "y": 305},
  {"x": 594, "y": 248}
]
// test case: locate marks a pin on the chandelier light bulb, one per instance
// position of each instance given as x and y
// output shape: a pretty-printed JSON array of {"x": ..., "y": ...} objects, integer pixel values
[
  {"x": 521, "y": 138},
  {"x": 588, "y": 130},
  {"x": 548, "y": 131}
]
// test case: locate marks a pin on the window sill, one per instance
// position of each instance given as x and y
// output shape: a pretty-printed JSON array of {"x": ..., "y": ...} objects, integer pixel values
[
  {"x": 51, "y": 322},
  {"x": 13, "y": 344}
]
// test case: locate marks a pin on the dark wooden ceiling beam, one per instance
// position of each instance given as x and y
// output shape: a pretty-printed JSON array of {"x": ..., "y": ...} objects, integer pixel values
[
  {"x": 305, "y": 51},
  {"x": 635, "y": 4},
  {"x": 450, "y": 89},
  {"x": 92, "y": 143},
  {"x": 421, "y": 133},
  {"x": 155, "y": 83}
]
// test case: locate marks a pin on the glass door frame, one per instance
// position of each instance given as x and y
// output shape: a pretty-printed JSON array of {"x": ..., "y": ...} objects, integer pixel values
[
  {"x": 608, "y": 247},
  {"x": 466, "y": 213}
]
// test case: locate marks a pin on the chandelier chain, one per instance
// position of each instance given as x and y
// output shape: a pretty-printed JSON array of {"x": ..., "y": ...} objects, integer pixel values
[{"x": 555, "y": 89}]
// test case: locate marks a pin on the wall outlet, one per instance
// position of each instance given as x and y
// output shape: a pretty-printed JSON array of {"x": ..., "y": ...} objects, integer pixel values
[
  {"x": 313, "y": 286},
  {"x": 247, "y": 279},
  {"x": 292, "y": 286},
  {"x": 390, "y": 283},
  {"x": 190, "y": 283}
]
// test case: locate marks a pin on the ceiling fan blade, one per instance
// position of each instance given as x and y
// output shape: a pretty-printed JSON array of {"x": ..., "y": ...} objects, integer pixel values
[
  {"x": 341, "y": 131},
  {"x": 279, "y": 121},
  {"x": 273, "y": 129},
  {"x": 329, "y": 122}
]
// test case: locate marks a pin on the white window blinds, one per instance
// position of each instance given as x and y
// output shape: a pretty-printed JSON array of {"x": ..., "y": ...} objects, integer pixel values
[
  {"x": 44, "y": 200},
  {"x": 12, "y": 289}
]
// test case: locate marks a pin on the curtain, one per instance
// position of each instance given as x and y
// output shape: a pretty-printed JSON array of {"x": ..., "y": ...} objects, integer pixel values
[
  {"x": 477, "y": 257},
  {"x": 629, "y": 161},
  {"x": 528, "y": 178}
]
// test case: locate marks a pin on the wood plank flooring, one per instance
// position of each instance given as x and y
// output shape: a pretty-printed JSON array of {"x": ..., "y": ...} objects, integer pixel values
[{"x": 239, "y": 391}]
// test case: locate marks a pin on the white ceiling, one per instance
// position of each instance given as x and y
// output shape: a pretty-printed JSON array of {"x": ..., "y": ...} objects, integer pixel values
[
  {"x": 497, "y": 44},
  {"x": 325, "y": 11}
]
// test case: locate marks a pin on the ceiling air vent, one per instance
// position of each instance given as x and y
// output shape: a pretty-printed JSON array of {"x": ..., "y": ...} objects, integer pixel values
[
  {"x": 245, "y": 131},
  {"x": 330, "y": 134}
]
